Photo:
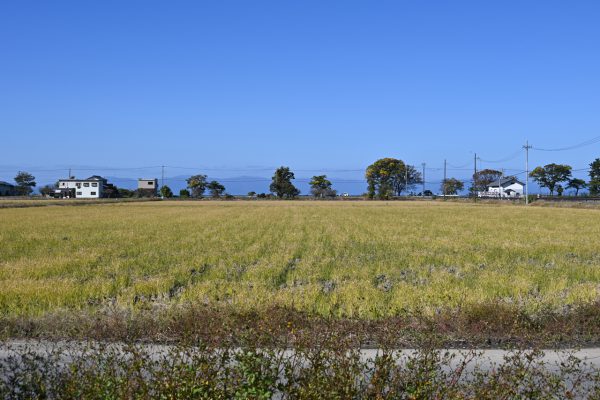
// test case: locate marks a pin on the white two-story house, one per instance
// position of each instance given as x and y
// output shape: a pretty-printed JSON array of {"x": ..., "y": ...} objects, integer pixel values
[{"x": 90, "y": 188}]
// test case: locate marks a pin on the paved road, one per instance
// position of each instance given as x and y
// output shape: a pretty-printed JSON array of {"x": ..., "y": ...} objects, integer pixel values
[{"x": 485, "y": 359}]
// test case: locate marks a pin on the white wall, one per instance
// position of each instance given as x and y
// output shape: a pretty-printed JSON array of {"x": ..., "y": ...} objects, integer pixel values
[
  {"x": 81, "y": 190},
  {"x": 494, "y": 191},
  {"x": 516, "y": 187}
]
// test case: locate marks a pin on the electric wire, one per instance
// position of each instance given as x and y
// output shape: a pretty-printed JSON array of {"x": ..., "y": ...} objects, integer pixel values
[{"x": 576, "y": 146}]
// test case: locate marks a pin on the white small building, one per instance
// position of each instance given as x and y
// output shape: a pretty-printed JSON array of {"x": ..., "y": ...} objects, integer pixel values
[
  {"x": 90, "y": 188},
  {"x": 508, "y": 187}
]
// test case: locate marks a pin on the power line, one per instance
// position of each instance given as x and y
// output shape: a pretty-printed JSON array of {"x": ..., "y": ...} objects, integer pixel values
[
  {"x": 32, "y": 170},
  {"x": 504, "y": 159},
  {"x": 576, "y": 146},
  {"x": 527, "y": 147},
  {"x": 82, "y": 169},
  {"x": 460, "y": 166},
  {"x": 445, "y": 179}
]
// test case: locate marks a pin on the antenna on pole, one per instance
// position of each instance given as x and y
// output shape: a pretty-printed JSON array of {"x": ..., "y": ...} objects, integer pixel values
[
  {"x": 423, "y": 193},
  {"x": 475, "y": 193},
  {"x": 500, "y": 191},
  {"x": 527, "y": 147},
  {"x": 444, "y": 183},
  {"x": 162, "y": 180}
]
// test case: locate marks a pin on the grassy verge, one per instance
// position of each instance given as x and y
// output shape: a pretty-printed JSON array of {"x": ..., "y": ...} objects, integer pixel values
[
  {"x": 42, "y": 202},
  {"x": 574, "y": 203},
  {"x": 484, "y": 326}
]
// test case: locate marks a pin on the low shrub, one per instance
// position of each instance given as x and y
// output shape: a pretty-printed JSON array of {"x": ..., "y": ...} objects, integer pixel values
[{"x": 330, "y": 370}]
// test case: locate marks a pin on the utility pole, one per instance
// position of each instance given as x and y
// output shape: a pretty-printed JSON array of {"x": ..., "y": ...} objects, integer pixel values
[
  {"x": 69, "y": 177},
  {"x": 475, "y": 165},
  {"x": 444, "y": 182},
  {"x": 423, "y": 193},
  {"x": 500, "y": 184},
  {"x": 527, "y": 147},
  {"x": 162, "y": 180}
]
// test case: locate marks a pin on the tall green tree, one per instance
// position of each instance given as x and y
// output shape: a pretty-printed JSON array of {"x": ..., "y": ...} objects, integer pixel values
[
  {"x": 184, "y": 193},
  {"x": 482, "y": 180},
  {"x": 197, "y": 185},
  {"x": 320, "y": 187},
  {"x": 594, "y": 173},
  {"x": 551, "y": 175},
  {"x": 387, "y": 177},
  {"x": 166, "y": 192},
  {"x": 281, "y": 184},
  {"x": 215, "y": 189},
  {"x": 25, "y": 183},
  {"x": 576, "y": 184},
  {"x": 451, "y": 186},
  {"x": 412, "y": 178}
]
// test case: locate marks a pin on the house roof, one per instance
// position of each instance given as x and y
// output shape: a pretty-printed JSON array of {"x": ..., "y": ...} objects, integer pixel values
[
  {"x": 506, "y": 181},
  {"x": 6, "y": 183},
  {"x": 93, "y": 178}
]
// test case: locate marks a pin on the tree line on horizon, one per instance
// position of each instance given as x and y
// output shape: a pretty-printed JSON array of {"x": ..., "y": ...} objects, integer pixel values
[
  {"x": 281, "y": 186},
  {"x": 386, "y": 178},
  {"x": 389, "y": 177},
  {"x": 554, "y": 177}
]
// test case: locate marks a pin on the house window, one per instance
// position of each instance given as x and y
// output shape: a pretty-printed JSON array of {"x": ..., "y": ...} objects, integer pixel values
[
  {"x": 94, "y": 184},
  {"x": 78, "y": 193},
  {"x": 93, "y": 193},
  {"x": 150, "y": 183},
  {"x": 86, "y": 185},
  {"x": 62, "y": 184}
]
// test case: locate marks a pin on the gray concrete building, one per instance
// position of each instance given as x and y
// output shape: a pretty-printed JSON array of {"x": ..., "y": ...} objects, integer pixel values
[{"x": 148, "y": 187}]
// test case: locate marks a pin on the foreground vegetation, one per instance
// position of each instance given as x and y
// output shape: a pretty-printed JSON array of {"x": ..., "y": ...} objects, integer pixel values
[{"x": 330, "y": 371}]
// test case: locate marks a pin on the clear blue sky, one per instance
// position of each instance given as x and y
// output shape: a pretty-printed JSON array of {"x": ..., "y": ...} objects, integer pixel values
[{"x": 309, "y": 84}]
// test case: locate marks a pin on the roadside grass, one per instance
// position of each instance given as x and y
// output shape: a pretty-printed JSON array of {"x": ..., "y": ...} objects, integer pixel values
[{"x": 333, "y": 370}]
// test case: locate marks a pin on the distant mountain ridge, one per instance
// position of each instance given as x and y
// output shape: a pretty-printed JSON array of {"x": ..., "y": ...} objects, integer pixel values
[{"x": 241, "y": 185}]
